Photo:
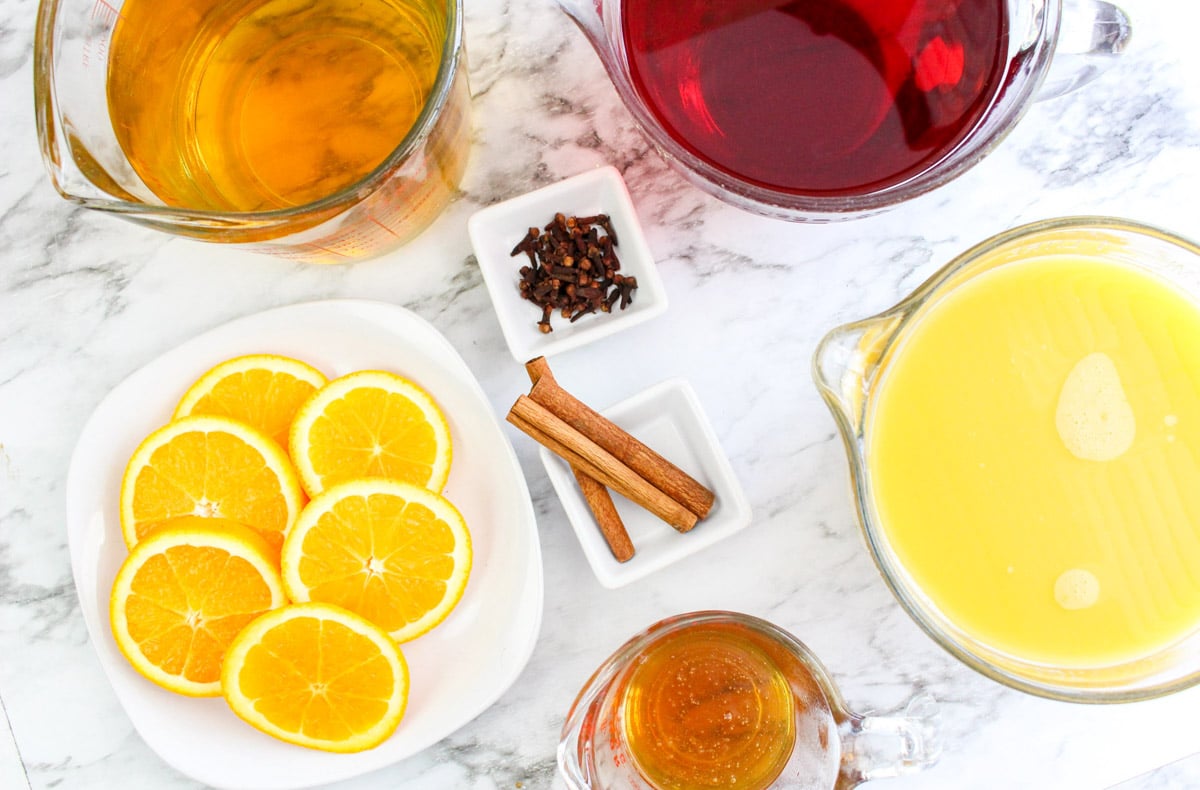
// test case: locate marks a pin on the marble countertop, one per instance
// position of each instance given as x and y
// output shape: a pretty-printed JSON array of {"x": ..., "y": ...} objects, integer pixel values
[{"x": 86, "y": 299}]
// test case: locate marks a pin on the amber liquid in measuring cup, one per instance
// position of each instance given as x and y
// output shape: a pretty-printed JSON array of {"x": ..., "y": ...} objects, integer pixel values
[
  {"x": 711, "y": 707},
  {"x": 266, "y": 104}
]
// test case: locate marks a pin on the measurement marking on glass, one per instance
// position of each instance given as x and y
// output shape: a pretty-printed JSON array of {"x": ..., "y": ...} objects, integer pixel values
[
  {"x": 326, "y": 250},
  {"x": 107, "y": 15},
  {"x": 385, "y": 227},
  {"x": 102, "y": 9}
]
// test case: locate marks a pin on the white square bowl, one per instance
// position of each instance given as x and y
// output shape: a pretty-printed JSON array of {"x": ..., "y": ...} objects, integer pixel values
[
  {"x": 668, "y": 418},
  {"x": 495, "y": 230}
]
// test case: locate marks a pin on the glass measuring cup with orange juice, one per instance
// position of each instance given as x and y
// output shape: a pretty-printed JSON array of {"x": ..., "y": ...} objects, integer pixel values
[
  {"x": 721, "y": 699},
  {"x": 1024, "y": 434},
  {"x": 324, "y": 131}
]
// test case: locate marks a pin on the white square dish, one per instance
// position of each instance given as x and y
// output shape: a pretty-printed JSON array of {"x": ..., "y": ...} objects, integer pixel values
[
  {"x": 668, "y": 418},
  {"x": 457, "y": 670},
  {"x": 495, "y": 230}
]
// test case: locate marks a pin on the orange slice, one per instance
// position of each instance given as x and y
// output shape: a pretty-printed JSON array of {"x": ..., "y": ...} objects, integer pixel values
[
  {"x": 182, "y": 595},
  {"x": 261, "y": 390},
  {"x": 209, "y": 466},
  {"x": 318, "y": 676},
  {"x": 370, "y": 424},
  {"x": 395, "y": 553}
]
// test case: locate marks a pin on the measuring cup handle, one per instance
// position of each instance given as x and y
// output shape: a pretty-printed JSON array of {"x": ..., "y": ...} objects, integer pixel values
[
  {"x": 903, "y": 742},
  {"x": 1091, "y": 34}
]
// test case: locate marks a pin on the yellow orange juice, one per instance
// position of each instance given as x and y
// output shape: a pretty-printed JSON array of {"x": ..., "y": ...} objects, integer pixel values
[{"x": 1033, "y": 448}]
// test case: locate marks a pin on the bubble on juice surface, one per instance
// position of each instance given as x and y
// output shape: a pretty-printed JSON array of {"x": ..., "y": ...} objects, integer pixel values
[
  {"x": 1077, "y": 588},
  {"x": 1094, "y": 418}
]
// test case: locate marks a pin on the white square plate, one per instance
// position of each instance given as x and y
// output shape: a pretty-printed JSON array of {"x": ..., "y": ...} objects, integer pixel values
[
  {"x": 495, "y": 230},
  {"x": 457, "y": 670},
  {"x": 667, "y": 418}
]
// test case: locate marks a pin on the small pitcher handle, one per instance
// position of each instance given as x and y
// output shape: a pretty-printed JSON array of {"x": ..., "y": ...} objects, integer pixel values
[
  {"x": 902, "y": 742},
  {"x": 1091, "y": 34}
]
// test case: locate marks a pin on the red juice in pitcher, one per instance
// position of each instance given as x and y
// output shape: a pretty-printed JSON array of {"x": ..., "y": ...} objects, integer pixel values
[{"x": 833, "y": 97}]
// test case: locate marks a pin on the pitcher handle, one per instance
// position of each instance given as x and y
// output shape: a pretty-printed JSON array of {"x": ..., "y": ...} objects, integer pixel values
[
  {"x": 903, "y": 742},
  {"x": 1091, "y": 34}
]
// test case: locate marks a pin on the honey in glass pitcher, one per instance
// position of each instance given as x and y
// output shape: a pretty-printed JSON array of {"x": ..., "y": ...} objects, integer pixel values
[
  {"x": 711, "y": 707},
  {"x": 251, "y": 105},
  {"x": 710, "y": 700}
]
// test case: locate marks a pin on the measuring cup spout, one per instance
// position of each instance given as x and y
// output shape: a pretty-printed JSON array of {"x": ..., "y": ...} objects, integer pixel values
[
  {"x": 588, "y": 15},
  {"x": 845, "y": 364}
]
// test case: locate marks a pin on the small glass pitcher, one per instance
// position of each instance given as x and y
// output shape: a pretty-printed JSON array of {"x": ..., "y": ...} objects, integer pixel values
[
  {"x": 380, "y": 211},
  {"x": 603, "y": 744},
  {"x": 850, "y": 361},
  {"x": 1081, "y": 36}
]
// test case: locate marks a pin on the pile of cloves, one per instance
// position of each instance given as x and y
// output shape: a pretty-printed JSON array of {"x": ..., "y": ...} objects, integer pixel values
[{"x": 573, "y": 269}]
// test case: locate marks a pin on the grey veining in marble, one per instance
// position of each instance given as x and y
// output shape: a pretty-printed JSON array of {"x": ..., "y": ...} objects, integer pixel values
[{"x": 86, "y": 299}]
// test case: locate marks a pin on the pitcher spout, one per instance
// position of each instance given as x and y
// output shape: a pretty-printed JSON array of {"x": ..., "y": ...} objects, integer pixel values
[
  {"x": 846, "y": 363},
  {"x": 588, "y": 15}
]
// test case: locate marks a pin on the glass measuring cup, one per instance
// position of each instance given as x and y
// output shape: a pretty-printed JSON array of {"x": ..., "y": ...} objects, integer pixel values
[
  {"x": 725, "y": 165},
  {"x": 801, "y": 735},
  {"x": 381, "y": 210},
  {"x": 852, "y": 359}
]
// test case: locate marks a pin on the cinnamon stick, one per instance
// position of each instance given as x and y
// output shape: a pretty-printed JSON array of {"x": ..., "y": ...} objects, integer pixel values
[
  {"x": 598, "y": 499},
  {"x": 593, "y": 460},
  {"x": 606, "y": 515},
  {"x": 656, "y": 470},
  {"x": 538, "y": 368}
]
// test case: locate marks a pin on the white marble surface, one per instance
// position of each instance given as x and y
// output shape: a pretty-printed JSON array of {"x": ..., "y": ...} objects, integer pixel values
[{"x": 85, "y": 299}]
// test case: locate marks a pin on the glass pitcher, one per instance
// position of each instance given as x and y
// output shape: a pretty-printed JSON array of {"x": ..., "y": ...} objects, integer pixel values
[
  {"x": 389, "y": 205},
  {"x": 1080, "y": 36},
  {"x": 850, "y": 362},
  {"x": 666, "y": 705}
]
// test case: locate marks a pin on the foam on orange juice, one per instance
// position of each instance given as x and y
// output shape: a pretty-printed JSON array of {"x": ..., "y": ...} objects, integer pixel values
[{"x": 1034, "y": 457}]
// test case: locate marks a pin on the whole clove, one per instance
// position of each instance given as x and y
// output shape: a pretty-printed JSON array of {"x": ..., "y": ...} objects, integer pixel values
[{"x": 573, "y": 269}]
